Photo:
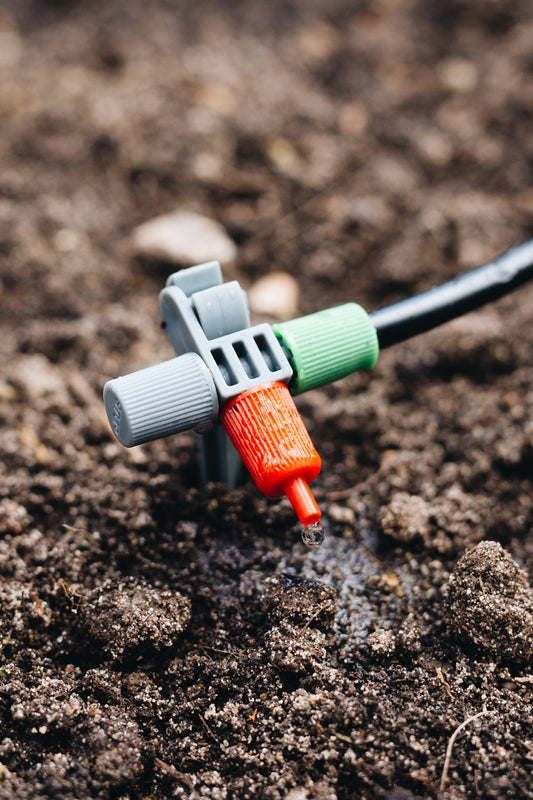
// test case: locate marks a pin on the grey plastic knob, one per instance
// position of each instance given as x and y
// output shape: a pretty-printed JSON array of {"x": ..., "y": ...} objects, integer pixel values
[
  {"x": 168, "y": 398},
  {"x": 221, "y": 309}
]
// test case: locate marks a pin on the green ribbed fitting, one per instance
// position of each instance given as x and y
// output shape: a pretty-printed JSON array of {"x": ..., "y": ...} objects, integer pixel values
[{"x": 329, "y": 345}]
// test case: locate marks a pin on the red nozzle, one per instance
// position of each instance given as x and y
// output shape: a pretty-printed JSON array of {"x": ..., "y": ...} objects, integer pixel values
[{"x": 264, "y": 425}]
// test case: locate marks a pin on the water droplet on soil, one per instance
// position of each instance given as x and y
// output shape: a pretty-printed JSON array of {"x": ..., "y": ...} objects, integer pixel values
[{"x": 313, "y": 535}]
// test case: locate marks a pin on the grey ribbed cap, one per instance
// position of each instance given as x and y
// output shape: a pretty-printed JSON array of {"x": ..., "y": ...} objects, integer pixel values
[{"x": 168, "y": 398}]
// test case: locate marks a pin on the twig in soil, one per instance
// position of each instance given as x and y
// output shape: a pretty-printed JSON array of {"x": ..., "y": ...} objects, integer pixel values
[
  {"x": 343, "y": 738},
  {"x": 453, "y": 737},
  {"x": 172, "y": 772},
  {"x": 208, "y": 729},
  {"x": 445, "y": 683},
  {"x": 312, "y": 617},
  {"x": 72, "y": 529},
  {"x": 219, "y": 650},
  {"x": 342, "y": 494},
  {"x": 71, "y": 596}
]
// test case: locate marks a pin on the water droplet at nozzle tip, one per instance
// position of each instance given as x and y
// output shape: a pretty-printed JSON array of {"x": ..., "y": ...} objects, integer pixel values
[{"x": 313, "y": 534}]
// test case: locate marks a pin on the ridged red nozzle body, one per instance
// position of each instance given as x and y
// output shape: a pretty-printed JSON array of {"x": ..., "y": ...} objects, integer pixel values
[{"x": 264, "y": 425}]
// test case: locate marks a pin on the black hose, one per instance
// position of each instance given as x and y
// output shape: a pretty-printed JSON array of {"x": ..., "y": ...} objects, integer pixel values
[{"x": 425, "y": 311}]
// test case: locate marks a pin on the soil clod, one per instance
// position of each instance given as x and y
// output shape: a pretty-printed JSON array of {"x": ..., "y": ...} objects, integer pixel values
[
  {"x": 490, "y": 605},
  {"x": 131, "y": 619},
  {"x": 300, "y": 603}
]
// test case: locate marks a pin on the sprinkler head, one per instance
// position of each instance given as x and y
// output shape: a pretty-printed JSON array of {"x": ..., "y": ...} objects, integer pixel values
[{"x": 241, "y": 376}]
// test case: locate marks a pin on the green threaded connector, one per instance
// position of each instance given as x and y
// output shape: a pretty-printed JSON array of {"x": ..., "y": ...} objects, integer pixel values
[{"x": 328, "y": 345}]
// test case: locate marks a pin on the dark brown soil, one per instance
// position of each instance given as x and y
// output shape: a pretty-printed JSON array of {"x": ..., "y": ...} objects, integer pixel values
[{"x": 161, "y": 641}]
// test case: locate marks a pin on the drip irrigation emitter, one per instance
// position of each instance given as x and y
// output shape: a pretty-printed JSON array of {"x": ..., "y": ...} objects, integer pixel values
[{"x": 244, "y": 377}]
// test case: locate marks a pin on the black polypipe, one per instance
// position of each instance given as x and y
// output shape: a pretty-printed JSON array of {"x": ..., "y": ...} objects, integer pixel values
[{"x": 425, "y": 311}]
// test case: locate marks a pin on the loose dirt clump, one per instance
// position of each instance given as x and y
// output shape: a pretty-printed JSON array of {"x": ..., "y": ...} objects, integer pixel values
[
  {"x": 131, "y": 619},
  {"x": 301, "y": 603},
  {"x": 490, "y": 605}
]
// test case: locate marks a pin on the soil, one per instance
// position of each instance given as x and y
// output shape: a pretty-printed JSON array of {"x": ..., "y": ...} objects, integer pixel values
[{"x": 161, "y": 640}]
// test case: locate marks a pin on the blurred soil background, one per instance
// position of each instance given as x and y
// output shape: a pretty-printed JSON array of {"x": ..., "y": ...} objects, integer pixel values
[{"x": 158, "y": 640}]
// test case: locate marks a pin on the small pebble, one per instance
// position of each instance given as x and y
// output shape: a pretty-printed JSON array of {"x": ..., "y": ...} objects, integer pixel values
[
  {"x": 13, "y": 517},
  {"x": 458, "y": 75},
  {"x": 342, "y": 514},
  {"x": 276, "y": 294},
  {"x": 218, "y": 97},
  {"x": 284, "y": 156},
  {"x": 183, "y": 238},
  {"x": 319, "y": 41},
  {"x": 353, "y": 119},
  {"x": 37, "y": 376},
  {"x": 435, "y": 147},
  {"x": 297, "y": 794}
]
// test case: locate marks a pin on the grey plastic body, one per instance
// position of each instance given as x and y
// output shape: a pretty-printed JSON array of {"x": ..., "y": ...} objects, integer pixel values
[
  {"x": 221, "y": 309},
  {"x": 168, "y": 398},
  {"x": 219, "y": 356},
  {"x": 237, "y": 360},
  {"x": 194, "y": 279},
  {"x": 219, "y": 460}
]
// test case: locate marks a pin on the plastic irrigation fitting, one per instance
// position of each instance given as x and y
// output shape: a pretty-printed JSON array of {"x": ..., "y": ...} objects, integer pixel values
[
  {"x": 242, "y": 376},
  {"x": 270, "y": 436}
]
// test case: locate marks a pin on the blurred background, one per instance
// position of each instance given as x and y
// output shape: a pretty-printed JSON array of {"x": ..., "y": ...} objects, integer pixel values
[{"x": 365, "y": 148}]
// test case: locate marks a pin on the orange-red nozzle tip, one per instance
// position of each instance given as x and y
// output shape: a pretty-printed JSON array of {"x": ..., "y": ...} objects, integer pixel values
[
  {"x": 264, "y": 425},
  {"x": 302, "y": 500}
]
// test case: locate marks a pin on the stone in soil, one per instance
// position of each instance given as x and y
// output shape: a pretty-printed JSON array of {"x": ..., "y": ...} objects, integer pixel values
[
  {"x": 183, "y": 238},
  {"x": 276, "y": 295}
]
